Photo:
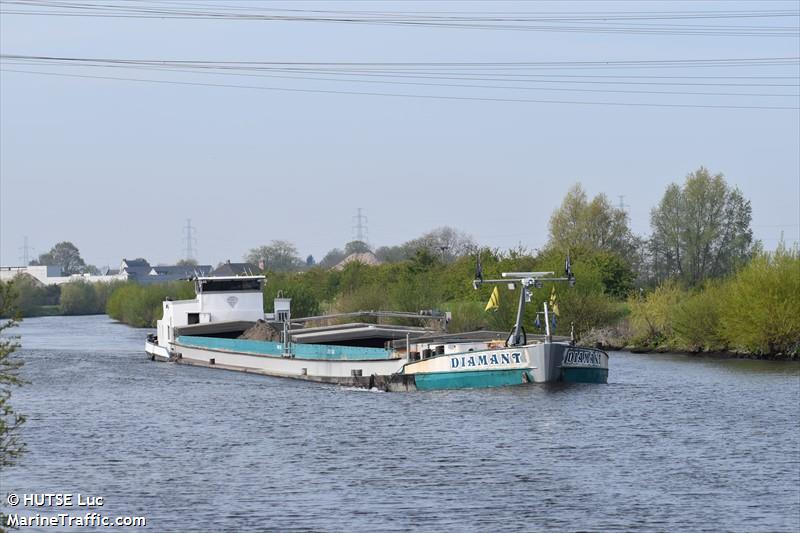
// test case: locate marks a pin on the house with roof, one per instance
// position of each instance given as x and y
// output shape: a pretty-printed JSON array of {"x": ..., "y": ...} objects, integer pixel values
[
  {"x": 177, "y": 272},
  {"x": 365, "y": 258},
  {"x": 236, "y": 269},
  {"x": 136, "y": 270}
]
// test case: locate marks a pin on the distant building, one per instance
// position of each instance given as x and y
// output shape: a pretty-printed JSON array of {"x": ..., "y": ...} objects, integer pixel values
[
  {"x": 38, "y": 272},
  {"x": 235, "y": 269},
  {"x": 366, "y": 258},
  {"x": 177, "y": 272},
  {"x": 135, "y": 270},
  {"x": 52, "y": 275}
]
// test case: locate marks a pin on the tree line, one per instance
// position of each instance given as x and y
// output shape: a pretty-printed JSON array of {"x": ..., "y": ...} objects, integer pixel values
[
  {"x": 282, "y": 256},
  {"x": 698, "y": 282},
  {"x": 79, "y": 297}
]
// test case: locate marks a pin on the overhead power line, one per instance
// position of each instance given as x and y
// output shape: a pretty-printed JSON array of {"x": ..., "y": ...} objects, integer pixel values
[
  {"x": 534, "y": 84},
  {"x": 423, "y": 96},
  {"x": 734, "y": 83},
  {"x": 700, "y": 22}
]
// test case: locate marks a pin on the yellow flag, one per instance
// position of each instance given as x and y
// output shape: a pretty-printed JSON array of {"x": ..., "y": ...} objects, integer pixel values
[
  {"x": 494, "y": 300},
  {"x": 554, "y": 301}
]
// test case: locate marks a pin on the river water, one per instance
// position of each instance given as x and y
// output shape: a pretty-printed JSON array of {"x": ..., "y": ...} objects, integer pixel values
[{"x": 671, "y": 443}]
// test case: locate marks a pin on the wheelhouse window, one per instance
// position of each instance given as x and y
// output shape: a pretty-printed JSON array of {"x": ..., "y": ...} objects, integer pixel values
[{"x": 227, "y": 285}]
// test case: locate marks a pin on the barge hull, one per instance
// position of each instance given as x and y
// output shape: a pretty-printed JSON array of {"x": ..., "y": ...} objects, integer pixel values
[{"x": 472, "y": 380}]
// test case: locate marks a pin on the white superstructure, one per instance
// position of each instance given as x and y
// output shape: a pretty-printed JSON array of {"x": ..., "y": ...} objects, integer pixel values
[{"x": 218, "y": 299}]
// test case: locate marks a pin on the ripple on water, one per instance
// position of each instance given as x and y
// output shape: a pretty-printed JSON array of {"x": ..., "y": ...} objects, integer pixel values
[{"x": 671, "y": 443}]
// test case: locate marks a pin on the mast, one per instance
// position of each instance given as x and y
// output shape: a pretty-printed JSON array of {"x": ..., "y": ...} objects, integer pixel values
[{"x": 526, "y": 281}]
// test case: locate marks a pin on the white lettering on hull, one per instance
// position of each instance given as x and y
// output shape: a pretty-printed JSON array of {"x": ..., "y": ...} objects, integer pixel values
[{"x": 486, "y": 360}]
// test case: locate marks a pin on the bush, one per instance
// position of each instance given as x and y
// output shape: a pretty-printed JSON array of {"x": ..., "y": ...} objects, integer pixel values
[
  {"x": 304, "y": 302},
  {"x": 79, "y": 298},
  {"x": 33, "y": 297},
  {"x": 141, "y": 305},
  {"x": 695, "y": 321},
  {"x": 757, "y": 310},
  {"x": 761, "y": 305},
  {"x": 651, "y": 315}
]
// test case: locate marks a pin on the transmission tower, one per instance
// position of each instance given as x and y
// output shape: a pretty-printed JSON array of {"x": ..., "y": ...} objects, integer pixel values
[
  {"x": 190, "y": 240},
  {"x": 360, "y": 231},
  {"x": 26, "y": 251},
  {"x": 622, "y": 205}
]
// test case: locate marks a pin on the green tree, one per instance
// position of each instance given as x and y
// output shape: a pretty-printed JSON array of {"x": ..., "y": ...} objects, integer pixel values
[
  {"x": 445, "y": 243},
  {"x": 391, "y": 254},
  {"x": 356, "y": 247},
  {"x": 11, "y": 445},
  {"x": 277, "y": 256},
  {"x": 187, "y": 262},
  {"x": 582, "y": 227},
  {"x": 65, "y": 255},
  {"x": 304, "y": 301},
  {"x": 700, "y": 230},
  {"x": 332, "y": 258}
]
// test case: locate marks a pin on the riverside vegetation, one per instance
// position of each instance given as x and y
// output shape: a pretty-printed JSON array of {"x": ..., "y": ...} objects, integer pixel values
[
  {"x": 755, "y": 311},
  {"x": 698, "y": 283},
  {"x": 73, "y": 298},
  {"x": 11, "y": 445}
]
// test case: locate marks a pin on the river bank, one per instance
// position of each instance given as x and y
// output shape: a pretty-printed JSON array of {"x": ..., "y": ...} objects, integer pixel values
[{"x": 617, "y": 338}]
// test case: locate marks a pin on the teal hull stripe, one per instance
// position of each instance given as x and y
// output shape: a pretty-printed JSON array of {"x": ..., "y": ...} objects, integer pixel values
[
  {"x": 470, "y": 380},
  {"x": 584, "y": 375},
  {"x": 300, "y": 351}
]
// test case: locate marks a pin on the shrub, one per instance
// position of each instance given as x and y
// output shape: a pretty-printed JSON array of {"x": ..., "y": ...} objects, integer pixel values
[
  {"x": 141, "y": 305},
  {"x": 761, "y": 305},
  {"x": 32, "y": 296},
  {"x": 695, "y": 321},
  {"x": 651, "y": 315},
  {"x": 79, "y": 298},
  {"x": 304, "y": 302}
]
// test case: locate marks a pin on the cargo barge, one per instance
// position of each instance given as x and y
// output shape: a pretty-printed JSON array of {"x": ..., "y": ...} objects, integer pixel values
[{"x": 212, "y": 330}]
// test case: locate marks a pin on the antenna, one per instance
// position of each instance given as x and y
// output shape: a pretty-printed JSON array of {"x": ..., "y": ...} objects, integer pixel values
[
  {"x": 189, "y": 239},
  {"x": 360, "y": 228}
]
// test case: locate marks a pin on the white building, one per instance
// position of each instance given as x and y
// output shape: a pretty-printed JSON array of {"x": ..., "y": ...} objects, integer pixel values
[{"x": 52, "y": 275}]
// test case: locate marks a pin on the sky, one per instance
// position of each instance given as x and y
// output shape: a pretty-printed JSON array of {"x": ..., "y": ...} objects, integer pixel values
[{"x": 117, "y": 166}]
